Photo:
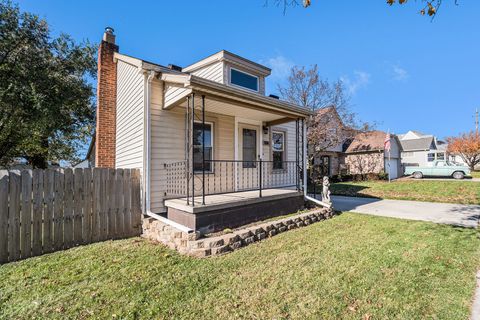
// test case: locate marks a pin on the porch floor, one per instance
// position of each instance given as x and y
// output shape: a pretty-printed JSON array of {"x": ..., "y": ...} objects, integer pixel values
[{"x": 229, "y": 200}]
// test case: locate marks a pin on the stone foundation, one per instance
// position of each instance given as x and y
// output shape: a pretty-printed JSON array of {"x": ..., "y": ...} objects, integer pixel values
[{"x": 194, "y": 245}]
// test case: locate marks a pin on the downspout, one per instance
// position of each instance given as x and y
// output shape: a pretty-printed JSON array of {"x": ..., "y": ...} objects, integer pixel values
[
  {"x": 305, "y": 182},
  {"x": 146, "y": 157}
]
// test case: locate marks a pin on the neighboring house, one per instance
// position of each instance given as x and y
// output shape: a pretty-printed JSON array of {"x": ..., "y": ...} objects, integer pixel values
[
  {"x": 213, "y": 149},
  {"x": 420, "y": 149},
  {"x": 331, "y": 160},
  {"x": 366, "y": 154}
]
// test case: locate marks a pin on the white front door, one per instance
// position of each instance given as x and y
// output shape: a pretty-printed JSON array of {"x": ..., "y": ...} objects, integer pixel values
[{"x": 248, "y": 146}]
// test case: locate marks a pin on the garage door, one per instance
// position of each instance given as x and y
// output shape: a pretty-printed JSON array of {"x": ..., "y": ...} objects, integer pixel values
[{"x": 392, "y": 168}]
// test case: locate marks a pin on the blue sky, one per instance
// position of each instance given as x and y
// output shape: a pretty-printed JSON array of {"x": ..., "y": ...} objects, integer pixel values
[{"x": 403, "y": 70}]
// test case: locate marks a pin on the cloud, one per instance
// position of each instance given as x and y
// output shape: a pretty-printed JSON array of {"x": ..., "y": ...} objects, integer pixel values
[
  {"x": 280, "y": 66},
  {"x": 360, "y": 80},
  {"x": 399, "y": 74}
]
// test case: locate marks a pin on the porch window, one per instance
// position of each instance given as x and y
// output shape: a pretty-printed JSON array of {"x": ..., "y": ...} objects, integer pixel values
[
  {"x": 243, "y": 79},
  {"x": 249, "y": 148},
  {"x": 278, "y": 149},
  {"x": 198, "y": 146}
]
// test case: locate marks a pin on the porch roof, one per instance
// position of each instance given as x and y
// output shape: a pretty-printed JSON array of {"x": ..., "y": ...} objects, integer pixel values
[{"x": 212, "y": 88}]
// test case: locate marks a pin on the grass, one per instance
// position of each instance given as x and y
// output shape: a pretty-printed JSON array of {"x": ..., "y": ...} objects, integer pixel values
[
  {"x": 349, "y": 267},
  {"x": 463, "y": 192},
  {"x": 476, "y": 174}
]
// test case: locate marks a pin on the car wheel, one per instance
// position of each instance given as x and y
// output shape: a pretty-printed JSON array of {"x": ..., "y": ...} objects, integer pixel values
[
  {"x": 418, "y": 175},
  {"x": 458, "y": 175}
]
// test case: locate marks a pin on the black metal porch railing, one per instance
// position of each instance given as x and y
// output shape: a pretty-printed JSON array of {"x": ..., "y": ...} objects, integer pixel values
[{"x": 227, "y": 176}]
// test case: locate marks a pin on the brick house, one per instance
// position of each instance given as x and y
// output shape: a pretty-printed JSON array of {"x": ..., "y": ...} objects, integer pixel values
[{"x": 366, "y": 154}]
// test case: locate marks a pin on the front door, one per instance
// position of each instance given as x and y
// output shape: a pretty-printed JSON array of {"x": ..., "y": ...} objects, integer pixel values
[{"x": 248, "y": 154}]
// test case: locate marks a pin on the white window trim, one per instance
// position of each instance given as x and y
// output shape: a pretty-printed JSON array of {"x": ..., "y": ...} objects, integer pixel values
[
  {"x": 239, "y": 86},
  {"x": 212, "y": 131}
]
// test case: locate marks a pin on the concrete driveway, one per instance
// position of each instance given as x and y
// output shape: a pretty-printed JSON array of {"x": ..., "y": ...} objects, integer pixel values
[{"x": 454, "y": 214}]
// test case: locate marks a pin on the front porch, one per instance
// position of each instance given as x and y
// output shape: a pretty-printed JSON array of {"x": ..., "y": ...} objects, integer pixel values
[
  {"x": 229, "y": 210},
  {"x": 241, "y": 164}
]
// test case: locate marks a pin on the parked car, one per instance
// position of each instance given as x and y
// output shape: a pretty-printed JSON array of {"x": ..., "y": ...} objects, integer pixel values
[{"x": 439, "y": 169}]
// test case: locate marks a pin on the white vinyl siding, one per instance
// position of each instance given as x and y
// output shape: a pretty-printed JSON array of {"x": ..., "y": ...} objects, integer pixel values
[
  {"x": 174, "y": 93},
  {"x": 168, "y": 142},
  {"x": 289, "y": 129},
  {"x": 129, "y": 117},
  {"x": 212, "y": 72}
]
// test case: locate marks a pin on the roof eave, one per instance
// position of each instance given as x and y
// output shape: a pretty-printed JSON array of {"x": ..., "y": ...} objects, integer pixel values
[{"x": 199, "y": 83}]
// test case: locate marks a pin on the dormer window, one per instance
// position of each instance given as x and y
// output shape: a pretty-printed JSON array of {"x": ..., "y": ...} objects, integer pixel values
[{"x": 243, "y": 79}]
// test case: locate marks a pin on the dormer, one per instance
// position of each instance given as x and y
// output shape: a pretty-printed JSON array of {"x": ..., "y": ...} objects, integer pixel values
[{"x": 232, "y": 70}]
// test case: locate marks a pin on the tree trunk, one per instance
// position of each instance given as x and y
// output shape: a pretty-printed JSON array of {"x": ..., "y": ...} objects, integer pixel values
[{"x": 37, "y": 162}]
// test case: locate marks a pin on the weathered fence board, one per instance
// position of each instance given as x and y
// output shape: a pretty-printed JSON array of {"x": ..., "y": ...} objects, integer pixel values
[
  {"x": 68, "y": 209},
  {"x": 47, "y": 210},
  {"x": 87, "y": 206},
  {"x": 127, "y": 187},
  {"x": 58, "y": 221},
  {"x": 49, "y": 194},
  {"x": 3, "y": 216},
  {"x": 77, "y": 211},
  {"x": 14, "y": 216},
  {"x": 37, "y": 178},
  {"x": 26, "y": 215}
]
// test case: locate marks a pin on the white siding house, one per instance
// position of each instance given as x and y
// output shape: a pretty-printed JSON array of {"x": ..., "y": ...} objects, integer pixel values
[
  {"x": 420, "y": 149},
  {"x": 165, "y": 117}
]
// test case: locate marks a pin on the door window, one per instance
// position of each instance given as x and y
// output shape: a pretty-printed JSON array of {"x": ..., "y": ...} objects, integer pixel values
[
  {"x": 249, "y": 147},
  {"x": 278, "y": 149},
  {"x": 198, "y": 146}
]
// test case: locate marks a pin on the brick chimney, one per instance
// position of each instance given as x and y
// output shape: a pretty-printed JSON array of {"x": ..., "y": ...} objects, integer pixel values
[{"x": 106, "y": 102}]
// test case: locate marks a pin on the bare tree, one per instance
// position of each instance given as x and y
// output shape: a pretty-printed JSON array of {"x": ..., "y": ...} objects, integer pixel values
[
  {"x": 428, "y": 7},
  {"x": 332, "y": 121}
]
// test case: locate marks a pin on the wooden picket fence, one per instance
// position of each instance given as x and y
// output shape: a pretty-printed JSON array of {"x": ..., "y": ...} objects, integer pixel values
[{"x": 43, "y": 211}]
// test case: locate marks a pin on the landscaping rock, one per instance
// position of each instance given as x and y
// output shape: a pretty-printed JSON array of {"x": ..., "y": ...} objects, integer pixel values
[
  {"x": 200, "y": 253},
  {"x": 220, "y": 250},
  {"x": 236, "y": 245},
  {"x": 249, "y": 240},
  {"x": 261, "y": 236},
  {"x": 230, "y": 238},
  {"x": 243, "y": 234},
  {"x": 214, "y": 242}
]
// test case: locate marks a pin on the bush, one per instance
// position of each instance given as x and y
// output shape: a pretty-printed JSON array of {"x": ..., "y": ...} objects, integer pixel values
[{"x": 360, "y": 177}]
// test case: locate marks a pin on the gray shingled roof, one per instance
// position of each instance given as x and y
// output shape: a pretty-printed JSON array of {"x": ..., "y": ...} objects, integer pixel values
[{"x": 416, "y": 144}]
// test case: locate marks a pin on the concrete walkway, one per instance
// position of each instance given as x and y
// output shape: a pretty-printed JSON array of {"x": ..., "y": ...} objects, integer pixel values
[{"x": 454, "y": 214}]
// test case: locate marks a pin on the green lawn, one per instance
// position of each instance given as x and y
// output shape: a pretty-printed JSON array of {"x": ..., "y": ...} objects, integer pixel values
[
  {"x": 465, "y": 192},
  {"x": 349, "y": 267},
  {"x": 476, "y": 174}
]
